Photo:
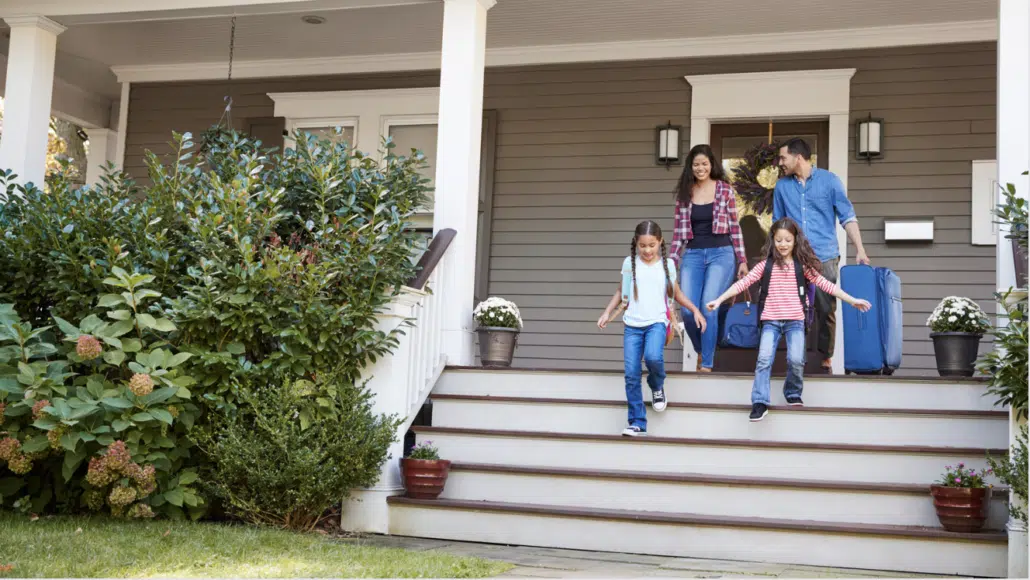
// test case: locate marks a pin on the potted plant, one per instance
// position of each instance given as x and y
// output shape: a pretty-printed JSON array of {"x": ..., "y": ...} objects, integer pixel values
[
  {"x": 957, "y": 325},
  {"x": 499, "y": 323},
  {"x": 425, "y": 474},
  {"x": 961, "y": 498}
]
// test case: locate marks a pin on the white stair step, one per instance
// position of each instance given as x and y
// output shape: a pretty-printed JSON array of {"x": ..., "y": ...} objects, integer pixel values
[
  {"x": 724, "y": 421},
  {"x": 841, "y": 502},
  {"x": 722, "y": 388},
  {"x": 787, "y": 460},
  {"x": 895, "y": 548}
]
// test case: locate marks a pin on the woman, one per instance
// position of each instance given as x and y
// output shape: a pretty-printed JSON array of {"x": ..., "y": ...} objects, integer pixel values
[{"x": 706, "y": 243}]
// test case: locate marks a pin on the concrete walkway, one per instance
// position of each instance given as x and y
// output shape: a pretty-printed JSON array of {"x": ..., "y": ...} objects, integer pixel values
[{"x": 553, "y": 563}]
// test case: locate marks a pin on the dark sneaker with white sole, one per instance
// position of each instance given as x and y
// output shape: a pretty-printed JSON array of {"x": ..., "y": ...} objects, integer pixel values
[
  {"x": 795, "y": 401},
  {"x": 759, "y": 411},
  {"x": 633, "y": 431},
  {"x": 658, "y": 402}
]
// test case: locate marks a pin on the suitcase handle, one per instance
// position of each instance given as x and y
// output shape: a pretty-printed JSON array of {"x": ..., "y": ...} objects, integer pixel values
[{"x": 861, "y": 320}]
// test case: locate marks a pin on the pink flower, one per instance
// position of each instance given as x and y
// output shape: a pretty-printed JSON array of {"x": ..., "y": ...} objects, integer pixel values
[
  {"x": 958, "y": 480},
  {"x": 961, "y": 465}
]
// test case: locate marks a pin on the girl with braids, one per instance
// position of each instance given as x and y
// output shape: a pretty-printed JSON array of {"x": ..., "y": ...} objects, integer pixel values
[
  {"x": 783, "y": 308},
  {"x": 652, "y": 278}
]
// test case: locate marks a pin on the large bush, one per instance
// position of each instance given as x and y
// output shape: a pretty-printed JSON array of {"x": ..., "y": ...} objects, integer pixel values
[{"x": 271, "y": 269}]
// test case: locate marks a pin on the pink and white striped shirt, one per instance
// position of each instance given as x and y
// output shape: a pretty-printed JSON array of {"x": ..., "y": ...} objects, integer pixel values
[{"x": 784, "y": 300}]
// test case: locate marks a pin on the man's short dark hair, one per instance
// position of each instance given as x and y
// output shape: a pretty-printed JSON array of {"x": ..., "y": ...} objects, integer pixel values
[{"x": 798, "y": 146}]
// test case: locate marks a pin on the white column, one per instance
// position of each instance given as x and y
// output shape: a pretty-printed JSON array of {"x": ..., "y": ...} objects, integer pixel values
[
  {"x": 102, "y": 147},
  {"x": 1013, "y": 151},
  {"x": 838, "y": 163},
  {"x": 123, "y": 127},
  {"x": 457, "y": 166},
  {"x": 30, "y": 86}
]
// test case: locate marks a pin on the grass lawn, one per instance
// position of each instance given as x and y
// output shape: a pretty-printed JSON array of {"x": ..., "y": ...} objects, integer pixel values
[{"x": 102, "y": 547}]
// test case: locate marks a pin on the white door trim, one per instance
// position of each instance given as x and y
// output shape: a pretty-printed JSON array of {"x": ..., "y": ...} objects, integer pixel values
[{"x": 803, "y": 94}]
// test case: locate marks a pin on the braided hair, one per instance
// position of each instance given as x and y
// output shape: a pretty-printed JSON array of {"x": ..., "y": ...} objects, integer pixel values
[{"x": 649, "y": 228}]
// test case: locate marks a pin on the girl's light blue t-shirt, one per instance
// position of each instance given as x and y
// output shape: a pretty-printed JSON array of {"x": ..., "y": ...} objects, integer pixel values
[{"x": 650, "y": 305}]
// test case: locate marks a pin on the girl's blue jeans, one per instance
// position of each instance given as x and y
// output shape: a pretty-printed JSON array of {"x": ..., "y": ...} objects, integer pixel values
[
  {"x": 647, "y": 343},
  {"x": 772, "y": 330},
  {"x": 704, "y": 275}
]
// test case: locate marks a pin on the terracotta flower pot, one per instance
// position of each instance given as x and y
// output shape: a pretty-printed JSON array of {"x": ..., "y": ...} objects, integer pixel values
[
  {"x": 961, "y": 509},
  {"x": 424, "y": 478}
]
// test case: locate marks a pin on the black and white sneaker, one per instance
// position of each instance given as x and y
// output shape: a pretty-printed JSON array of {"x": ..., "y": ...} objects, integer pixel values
[
  {"x": 658, "y": 402},
  {"x": 633, "y": 431},
  {"x": 795, "y": 401},
  {"x": 758, "y": 412}
]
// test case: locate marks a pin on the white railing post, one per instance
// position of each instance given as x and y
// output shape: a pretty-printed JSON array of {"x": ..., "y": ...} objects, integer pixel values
[
  {"x": 1013, "y": 151},
  {"x": 366, "y": 509}
]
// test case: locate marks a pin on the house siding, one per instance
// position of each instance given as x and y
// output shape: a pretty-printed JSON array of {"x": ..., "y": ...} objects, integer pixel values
[{"x": 575, "y": 173}]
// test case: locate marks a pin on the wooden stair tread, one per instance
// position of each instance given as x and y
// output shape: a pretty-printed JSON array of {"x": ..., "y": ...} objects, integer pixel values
[{"x": 997, "y": 537}]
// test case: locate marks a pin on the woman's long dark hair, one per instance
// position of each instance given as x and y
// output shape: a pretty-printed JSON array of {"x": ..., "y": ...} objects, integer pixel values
[
  {"x": 685, "y": 187},
  {"x": 803, "y": 252}
]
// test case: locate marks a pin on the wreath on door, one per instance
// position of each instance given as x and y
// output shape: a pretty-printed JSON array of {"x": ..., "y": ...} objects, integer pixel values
[{"x": 756, "y": 177}]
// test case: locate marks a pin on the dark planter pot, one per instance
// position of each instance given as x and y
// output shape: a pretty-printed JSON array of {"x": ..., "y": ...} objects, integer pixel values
[
  {"x": 956, "y": 353},
  {"x": 424, "y": 478},
  {"x": 961, "y": 509},
  {"x": 497, "y": 345},
  {"x": 1019, "y": 259}
]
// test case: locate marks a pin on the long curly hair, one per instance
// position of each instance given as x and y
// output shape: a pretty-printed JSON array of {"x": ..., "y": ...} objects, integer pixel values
[
  {"x": 685, "y": 185},
  {"x": 649, "y": 228},
  {"x": 803, "y": 252}
]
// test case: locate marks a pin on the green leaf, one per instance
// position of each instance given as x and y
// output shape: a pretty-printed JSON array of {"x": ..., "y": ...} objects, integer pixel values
[
  {"x": 146, "y": 293},
  {"x": 162, "y": 416},
  {"x": 105, "y": 440},
  {"x": 159, "y": 396},
  {"x": 9, "y": 385},
  {"x": 116, "y": 403},
  {"x": 114, "y": 357},
  {"x": 120, "y": 425},
  {"x": 175, "y": 497},
  {"x": 119, "y": 328},
  {"x": 68, "y": 328},
  {"x": 71, "y": 463},
  {"x": 81, "y": 412},
  {"x": 187, "y": 477},
  {"x": 113, "y": 342},
  {"x": 45, "y": 423},
  {"x": 142, "y": 417},
  {"x": 119, "y": 315},
  {"x": 109, "y": 300},
  {"x": 146, "y": 320},
  {"x": 177, "y": 360},
  {"x": 89, "y": 324},
  {"x": 190, "y": 499},
  {"x": 236, "y": 348},
  {"x": 164, "y": 325},
  {"x": 183, "y": 393},
  {"x": 69, "y": 441},
  {"x": 132, "y": 345},
  {"x": 34, "y": 444}
]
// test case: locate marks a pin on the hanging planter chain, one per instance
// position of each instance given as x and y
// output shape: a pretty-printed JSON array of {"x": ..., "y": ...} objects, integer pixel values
[{"x": 227, "y": 112}]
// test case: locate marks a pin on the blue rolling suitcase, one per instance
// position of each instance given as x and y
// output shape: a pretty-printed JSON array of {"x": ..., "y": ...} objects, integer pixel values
[{"x": 872, "y": 340}]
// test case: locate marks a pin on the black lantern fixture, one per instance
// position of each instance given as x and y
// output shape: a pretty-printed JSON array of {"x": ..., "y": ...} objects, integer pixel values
[
  {"x": 667, "y": 145},
  {"x": 869, "y": 138}
]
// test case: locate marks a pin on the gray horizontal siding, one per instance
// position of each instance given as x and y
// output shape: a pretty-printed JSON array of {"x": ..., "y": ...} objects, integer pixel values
[{"x": 574, "y": 173}]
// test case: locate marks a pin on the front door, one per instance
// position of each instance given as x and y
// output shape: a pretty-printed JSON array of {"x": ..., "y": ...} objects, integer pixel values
[{"x": 729, "y": 142}]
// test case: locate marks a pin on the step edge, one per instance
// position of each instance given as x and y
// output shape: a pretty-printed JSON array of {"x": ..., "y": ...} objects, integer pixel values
[
  {"x": 957, "y": 413},
  {"x": 972, "y": 381},
  {"x": 811, "y": 526},
  {"x": 734, "y": 481},
  {"x": 910, "y": 449}
]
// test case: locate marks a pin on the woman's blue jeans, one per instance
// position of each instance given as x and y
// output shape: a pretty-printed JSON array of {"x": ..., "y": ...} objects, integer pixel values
[{"x": 704, "y": 275}]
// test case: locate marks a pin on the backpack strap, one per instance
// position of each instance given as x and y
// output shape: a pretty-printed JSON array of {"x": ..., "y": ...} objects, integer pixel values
[
  {"x": 763, "y": 287},
  {"x": 802, "y": 284}
]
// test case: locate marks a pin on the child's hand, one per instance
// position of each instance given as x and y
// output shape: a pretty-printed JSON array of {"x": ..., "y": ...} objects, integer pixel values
[
  {"x": 862, "y": 305},
  {"x": 711, "y": 306},
  {"x": 699, "y": 320},
  {"x": 603, "y": 321}
]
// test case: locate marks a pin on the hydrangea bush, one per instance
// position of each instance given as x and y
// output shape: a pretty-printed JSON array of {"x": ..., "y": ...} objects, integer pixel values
[
  {"x": 499, "y": 313},
  {"x": 958, "y": 314},
  {"x": 959, "y": 476}
]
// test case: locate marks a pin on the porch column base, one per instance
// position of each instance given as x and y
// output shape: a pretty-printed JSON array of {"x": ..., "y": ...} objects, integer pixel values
[
  {"x": 1017, "y": 549},
  {"x": 366, "y": 509}
]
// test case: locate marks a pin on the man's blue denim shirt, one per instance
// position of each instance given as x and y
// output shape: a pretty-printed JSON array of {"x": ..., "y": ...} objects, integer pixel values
[{"x": 815, "y": 206}]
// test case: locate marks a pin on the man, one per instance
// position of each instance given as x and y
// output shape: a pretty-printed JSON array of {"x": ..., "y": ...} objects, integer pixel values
[{"x": 815, "y": 198}]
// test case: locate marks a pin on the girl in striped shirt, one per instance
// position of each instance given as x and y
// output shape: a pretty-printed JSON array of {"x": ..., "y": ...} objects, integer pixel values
[{"x": 782, "y": 308}]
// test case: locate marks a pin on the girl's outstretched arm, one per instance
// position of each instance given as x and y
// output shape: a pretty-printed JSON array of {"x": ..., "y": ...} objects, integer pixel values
[
  {"x": 682, "y": 300},
  {"x": 606, "y": 315},
  {"x": 738, "y": 286},
  {"x": 834, "y": 290}
]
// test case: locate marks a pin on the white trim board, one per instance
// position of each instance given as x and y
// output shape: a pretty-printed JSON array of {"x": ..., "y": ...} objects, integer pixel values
[
  {"x": 770, "y": 43},
  {"x": 806, "y": 94}
]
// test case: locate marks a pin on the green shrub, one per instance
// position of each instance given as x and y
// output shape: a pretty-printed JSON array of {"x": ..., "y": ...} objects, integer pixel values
[
  {"x": 1012, "y": 471},
  {"x": 273, "y": 470},
  {"x": 113, "y": 400}
]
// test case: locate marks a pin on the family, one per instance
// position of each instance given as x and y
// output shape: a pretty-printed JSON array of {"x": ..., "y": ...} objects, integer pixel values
[{"x": 707, "y": 254}]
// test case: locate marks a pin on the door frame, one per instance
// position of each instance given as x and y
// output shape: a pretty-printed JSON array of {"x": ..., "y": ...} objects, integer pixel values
[{"x": 781, "y": 95}]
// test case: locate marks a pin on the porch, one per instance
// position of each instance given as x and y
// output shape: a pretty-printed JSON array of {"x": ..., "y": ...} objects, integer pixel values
[{"x": 539, "y": 119}]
